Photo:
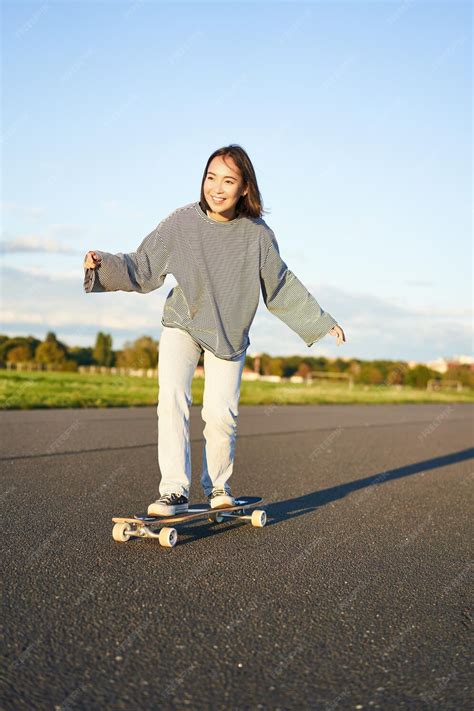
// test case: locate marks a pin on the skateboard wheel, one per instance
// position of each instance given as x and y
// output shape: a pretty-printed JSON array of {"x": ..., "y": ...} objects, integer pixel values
[
  {"x": 218, "y": 518},
  {"x": 168, "y": 537},
  {"x": 121, "y": 532},
  {"x": 259, "y": 518}
]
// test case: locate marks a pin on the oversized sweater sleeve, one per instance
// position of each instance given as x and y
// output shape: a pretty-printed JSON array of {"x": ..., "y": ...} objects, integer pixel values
[
  {"x": 142, "y": 270},
  {"x": 286, "y": 297}
]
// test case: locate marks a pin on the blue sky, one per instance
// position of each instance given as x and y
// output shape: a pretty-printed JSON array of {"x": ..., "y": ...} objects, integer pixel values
[{"x": 356, "y": 116}]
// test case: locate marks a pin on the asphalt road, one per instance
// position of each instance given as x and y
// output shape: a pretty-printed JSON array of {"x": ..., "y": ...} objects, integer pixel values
[{"x": 354, "y": 596}]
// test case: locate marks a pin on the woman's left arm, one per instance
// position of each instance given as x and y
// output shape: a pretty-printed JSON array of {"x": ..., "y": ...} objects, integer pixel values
[{"x": 286, "y": 297}]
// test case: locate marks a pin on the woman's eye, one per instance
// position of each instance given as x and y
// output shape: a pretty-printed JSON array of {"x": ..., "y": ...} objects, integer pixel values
[{"x": 230, "y": 182}]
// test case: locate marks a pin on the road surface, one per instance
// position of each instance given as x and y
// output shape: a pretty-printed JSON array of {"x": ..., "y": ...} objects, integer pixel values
[{"x": 354, "y": 596}]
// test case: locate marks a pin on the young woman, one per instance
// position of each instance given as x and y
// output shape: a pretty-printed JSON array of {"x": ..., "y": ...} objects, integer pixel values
[{"x": 221, "y": 253}]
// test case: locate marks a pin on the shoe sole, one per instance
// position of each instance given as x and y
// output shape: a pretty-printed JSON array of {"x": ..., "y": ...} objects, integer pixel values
[
  {"x": 224, "y": 505},
  {"x": 172, "y": 510}
]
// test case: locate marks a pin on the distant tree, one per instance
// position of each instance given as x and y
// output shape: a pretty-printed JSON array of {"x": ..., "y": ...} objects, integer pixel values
[
  {"x": 265, "y": 364},
  {"x": 275, "y": 367},
  {"x": 371, "y": 374},
  {"x": 20, "y": 354},
  {"x": 320, "y": 363},
  {"x": 147, "y": 345},
  {"x": 82, "y": 356},
  {"x": 381, "y": 367},
  {"x": 102, "y": 353},
  {"x": 142, "y": 353},
  {"x": 462, "y": 373},
  {"x": 51, "y": 351},
  {"x": 290, "y": 366},
  {"x": 9, "y": 344},
  {"x": 418, "y": 376},
  {"x": 396, "y": 373},
  {"x": 304, "y": 369},
  {"x": 355, "y": 368}
]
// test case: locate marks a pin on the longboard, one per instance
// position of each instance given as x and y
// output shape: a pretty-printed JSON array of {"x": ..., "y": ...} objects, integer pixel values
[{"x": 141, "y": 525}]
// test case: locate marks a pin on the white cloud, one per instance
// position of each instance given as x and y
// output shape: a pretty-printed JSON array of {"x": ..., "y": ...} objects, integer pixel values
[
  {"x": 62, "y": 275},
  {"x": 57, "y": 238},
  {"x": 34, "y": 243}
]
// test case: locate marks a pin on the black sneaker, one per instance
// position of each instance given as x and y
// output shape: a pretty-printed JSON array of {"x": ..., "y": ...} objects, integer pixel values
[
  {"x": 168, "y": 505},
  {"x": 220, "y": 499}
]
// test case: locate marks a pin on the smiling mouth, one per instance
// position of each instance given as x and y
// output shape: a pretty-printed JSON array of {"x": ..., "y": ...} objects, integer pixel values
[{"x": 218, "y": 200}]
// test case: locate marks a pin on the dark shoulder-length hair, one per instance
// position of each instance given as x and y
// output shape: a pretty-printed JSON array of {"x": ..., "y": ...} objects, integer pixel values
[{"x": 251, "y": 204}]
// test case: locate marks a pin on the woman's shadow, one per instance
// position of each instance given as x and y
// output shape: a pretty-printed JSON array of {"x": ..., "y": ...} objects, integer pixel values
[
  {"x": 291, "y": 508},
  {"x": 310, "y": 502}
]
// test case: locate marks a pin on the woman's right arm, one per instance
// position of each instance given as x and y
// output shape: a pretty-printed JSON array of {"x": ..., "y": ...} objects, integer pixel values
[{"x": 141, "y": 271}]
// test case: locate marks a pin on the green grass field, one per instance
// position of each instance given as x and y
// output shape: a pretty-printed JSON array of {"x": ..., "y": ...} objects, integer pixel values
[{"x": 42, "y": 389}]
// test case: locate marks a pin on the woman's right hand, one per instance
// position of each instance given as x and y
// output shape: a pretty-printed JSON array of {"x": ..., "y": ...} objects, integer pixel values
[{"x": 92, "y": 260}]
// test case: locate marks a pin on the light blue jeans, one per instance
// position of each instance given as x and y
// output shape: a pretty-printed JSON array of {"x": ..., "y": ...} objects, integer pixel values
[{"x": 179, "y": 354}]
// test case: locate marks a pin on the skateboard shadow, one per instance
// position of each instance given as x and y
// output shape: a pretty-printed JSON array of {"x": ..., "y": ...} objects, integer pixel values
[
  {"x": 301, "y": 505},
  {"x": 310, "y": 502},
  {"x": 191, "y": 531}
]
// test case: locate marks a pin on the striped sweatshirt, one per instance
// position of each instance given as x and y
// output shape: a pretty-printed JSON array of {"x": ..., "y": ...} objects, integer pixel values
[{"x": 220, "y": 268}]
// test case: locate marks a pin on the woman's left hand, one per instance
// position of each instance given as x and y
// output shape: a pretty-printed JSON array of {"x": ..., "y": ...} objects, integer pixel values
[{"x": 338, "y": 333}]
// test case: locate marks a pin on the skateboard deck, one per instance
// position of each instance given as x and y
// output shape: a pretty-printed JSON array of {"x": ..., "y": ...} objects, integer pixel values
[{"x": 141, "y": 525}]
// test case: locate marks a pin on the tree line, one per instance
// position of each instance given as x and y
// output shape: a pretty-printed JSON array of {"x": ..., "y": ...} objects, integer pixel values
[
  {"x": 53, "y": 354},
  {"x": 57, "y": 355}
]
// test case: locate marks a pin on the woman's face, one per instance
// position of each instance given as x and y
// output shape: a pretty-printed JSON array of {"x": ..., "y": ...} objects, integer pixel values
[{"x": 223, "y": 187}]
